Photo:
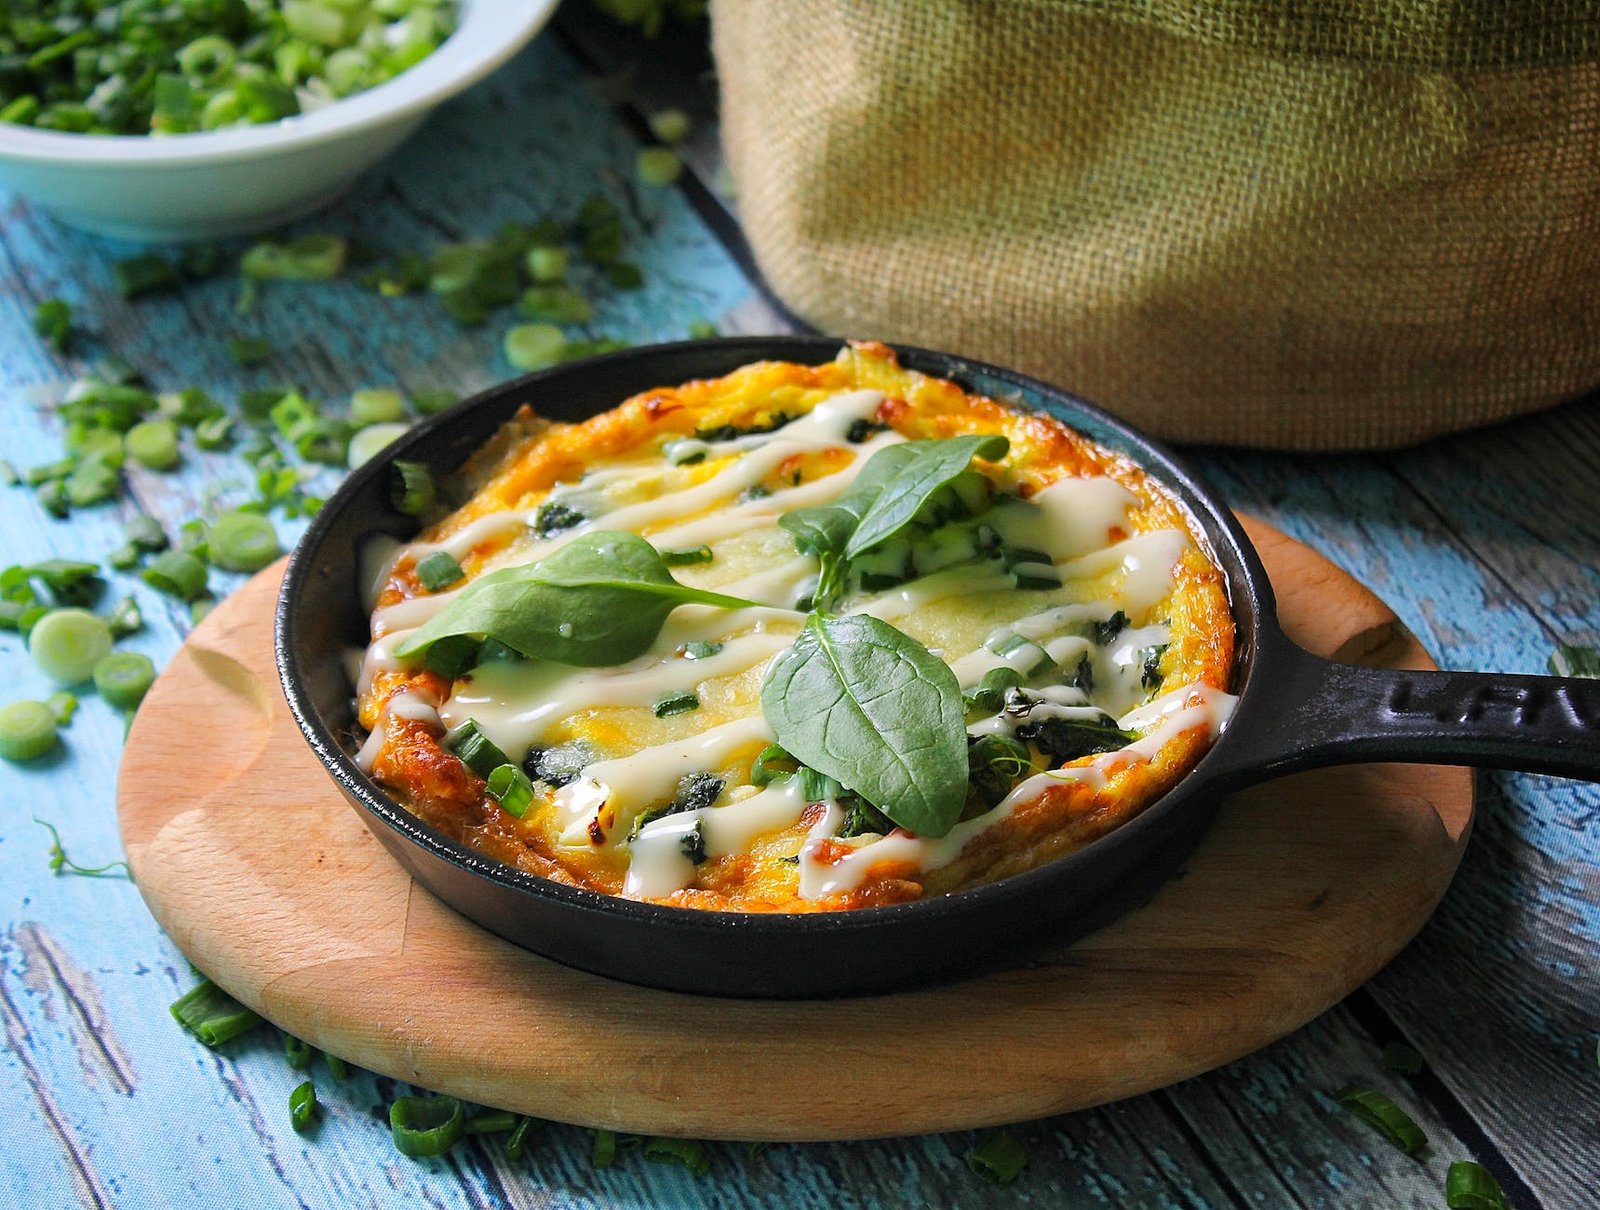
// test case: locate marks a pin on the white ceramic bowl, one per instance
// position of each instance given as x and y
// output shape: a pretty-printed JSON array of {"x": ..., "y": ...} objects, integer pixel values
[{"x": 200, "y": 186}]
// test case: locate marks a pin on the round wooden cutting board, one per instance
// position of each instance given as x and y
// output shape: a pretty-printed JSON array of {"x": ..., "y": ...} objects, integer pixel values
[{"x": 252, "y": 861}]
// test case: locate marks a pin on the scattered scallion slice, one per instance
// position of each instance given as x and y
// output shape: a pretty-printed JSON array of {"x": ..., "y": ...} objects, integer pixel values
[
  {"x": 491, "y": 1121},
  {"x": 1470, "y": 1186},
  {"x": 177, "y": 574},
  {"x": 439, "y": 570},
  {"x": 1570, "y": 660},
  {"x": 411, "y": 488},
  {"x": 546, "y": 264},
  {"x": 555, "y": 304},
  {"x": 337, "y": 1067},
  {"x": 145, "y": 532},
  {"x": 212, "y": 1015},
  {"x": 686, "y": 1153},
  {"x": 702, "y": 329},
  {"x": 63, "y": 705},
  {"x": 66, "y": 644},
  {"x": 376, "y": 405},
  {"x": 604, "y": 1152},
  {"x": 998, "y": 1158},
  {"x": 124, "y": 677},
  {"x": 426, "y": 1126},
  {"x": 317, "y": 257},
  {"x": 140, "y": 275},
  {"x": 517, "y": 1143},
  {"x": 241, "y": 541},
  {"x": 303, "y": 1106},
  {"x": 125, "y": 618},
  {"x": 509, "y": 786},
  {"x": 153, "y": 443},
  {"x": 429, "y": 403},
  {"x": 297, "y": 1053},
  {"x": 1398, "y": 1057},
  {"x": 250, "y": 351},
  {"x": 670, "y": 125},
  {"x": 27, "y": 730},
  {"x": 52, "y": 320},
  {"x": 1383, "y": 1115},
  {"x": 658, "y": 166},
  {"x": 535, "y": 346},
  {"x": 368, "y": 442}
]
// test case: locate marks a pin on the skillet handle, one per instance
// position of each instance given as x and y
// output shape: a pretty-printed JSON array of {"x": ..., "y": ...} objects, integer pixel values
[{"x": 1314, "y": 712}]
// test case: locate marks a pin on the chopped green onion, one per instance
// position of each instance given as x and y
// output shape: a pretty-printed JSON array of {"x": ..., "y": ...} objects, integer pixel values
[
  {"x": 70, "y": 581},
  {"x": 337, "y": 1067},
  {"x": 27, "y": 730},
  {"x": 153, "y": 443},
  {"x": 141, "y": 275},
  {"x": 125, "y": 618},
  {"x": 556, "y": 305},
  {"x": 215, "y": 433},
  {"x": 429, "y": 403},
  {"x": 702, "y": 329},
  {"x": 93, "y": 482},
  {"x": 212, "y": 1015},
  {"x": 1470, "y": 1186},
  {"x": 1568, "y": 660},
  {"x": 303, "y": 1106},
  {"x": 145, "y": 532},
  {"x": 124, "y": 677},
  {"x": 624, "y": 275},
  {"x": 546, "y": 264},
  {"x": 66, "y": 644},
  {"x": 307, "y": 258},
  {"x": 426, "y": 1126},
  {"x": 63, "y": 706},
  {"x": 534, "y": 346},
  {"x": 200, "y": 261},
  {"x": 687, "y": 1153},
  {"x": 177, "y": 574},
  {"x": 475, "y": 749},
  {"x": 297, "y": 1053},
  {"x": 491, "y": 1121},
  {"x": 250, "y": 350},
  {"x": 518, "y": 1142},
  {"x": 439, "y": 570},
  {"x": 699, "y": 650},
  {"x": 411, "y": 488},
  {"x": 1379, "y": 1112},
  {"x": 375, "y": 405},
  {"x": 241, "y": 541},
  {"x": 687, "y": 556},
  {"x": 8, "y": 474},
  {"x": 367, "y": 443},
  {"x": 998, "y": 1158},
  {"x": 604, "y": 1153},
  {"x": 657, "y": 166},
  {"x": 509, "y": 786},
  {"x": 677, "y": 701},
  {"x": 773, "y": 764},
  {"x": 670, "y": 125},
  {"x": 1399, "y": 1057},
  {"x": 52, "y": 320}
]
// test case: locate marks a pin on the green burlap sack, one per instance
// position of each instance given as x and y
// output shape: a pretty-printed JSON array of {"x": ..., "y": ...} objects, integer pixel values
[{"x": 1336, "y": 223}]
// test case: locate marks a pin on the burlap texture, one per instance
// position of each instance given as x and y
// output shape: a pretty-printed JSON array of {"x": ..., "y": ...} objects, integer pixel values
[{"x": 1322, "y": 224}]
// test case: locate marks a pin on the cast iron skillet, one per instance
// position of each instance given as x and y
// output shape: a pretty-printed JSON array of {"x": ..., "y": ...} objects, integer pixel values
[{"x": 1296, "y": 711}]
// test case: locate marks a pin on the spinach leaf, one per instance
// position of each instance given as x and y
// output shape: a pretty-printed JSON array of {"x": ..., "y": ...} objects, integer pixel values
[
  {"x": 599, "y": 600},
  {"x": 862, "y": 703},
  {"x": 928, "y": 466},
  {"x": 888, "y": 493}
]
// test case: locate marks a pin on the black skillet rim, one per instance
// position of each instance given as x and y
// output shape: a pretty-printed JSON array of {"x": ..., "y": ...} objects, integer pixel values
[{"x": 1250, "y": 596}]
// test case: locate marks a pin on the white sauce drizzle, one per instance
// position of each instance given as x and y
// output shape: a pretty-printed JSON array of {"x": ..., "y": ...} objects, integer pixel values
[{"x": 517, "y": 703}]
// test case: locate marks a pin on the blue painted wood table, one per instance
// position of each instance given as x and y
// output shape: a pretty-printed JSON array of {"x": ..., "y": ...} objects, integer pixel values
[{"x": 1485, "y": 544}]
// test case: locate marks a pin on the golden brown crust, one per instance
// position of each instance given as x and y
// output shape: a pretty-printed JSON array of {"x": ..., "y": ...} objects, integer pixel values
[{"x": 518, "y": 469}]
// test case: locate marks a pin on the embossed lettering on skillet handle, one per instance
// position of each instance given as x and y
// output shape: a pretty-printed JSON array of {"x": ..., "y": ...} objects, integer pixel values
[{"x": 1300, "y": 711}]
